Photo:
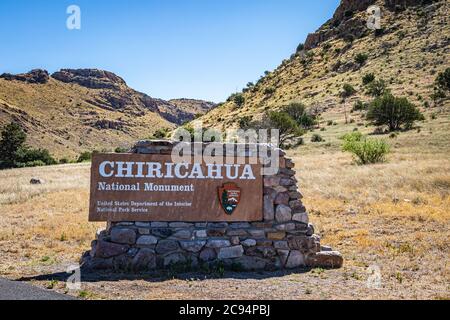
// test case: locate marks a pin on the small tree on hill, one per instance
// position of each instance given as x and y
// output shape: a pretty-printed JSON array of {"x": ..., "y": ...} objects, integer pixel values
[
  {"x": 347, "y": 91},
  {"x": 393, "y": 112},
  {"x": 287, "y": 126},
  {"x": 443, "y": 80},
  {"x": 441, "y": 86},
  {"x": 377, "y": 88},
  {"x": 297, "y": 111},
  {"x": 239, "y": 99},
  {"x": 13, "y": 139}
]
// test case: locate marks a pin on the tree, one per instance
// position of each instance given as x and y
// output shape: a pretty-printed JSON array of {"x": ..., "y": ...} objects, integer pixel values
[
  {"x": 13, "y": 139},
  {"x": 297, "y": 111},
  {"x": 377, "y": 88},
  {"x": 441, "y": 86},
  {"x": 348, "y": 91},
  {"x": 300, "y": 47},
  {"x": 239, "y": 100},
  {"x": 443, "y": 80},
  {"x": 287, "y": 126},
  {"x": 393, "y": 112}
]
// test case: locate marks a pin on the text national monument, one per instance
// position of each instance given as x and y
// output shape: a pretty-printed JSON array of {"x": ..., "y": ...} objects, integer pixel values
[{"x": 173, "y": 203}]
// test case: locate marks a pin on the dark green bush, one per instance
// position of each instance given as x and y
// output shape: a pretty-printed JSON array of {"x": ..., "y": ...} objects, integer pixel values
[
  {"x": 393, "y": 112},
  {"x": 269, "y": 91},
  {"x": 287, "y": 126},
  {"x": 347, "y": 91},
  {"x": 298, "y": 112},
  {"x": 368, "y": 78},
  {"x": 443, "y": 80},
  {"x": 360, "y": 106},
  {"x": 120, "y": 150},
  {"x": 377, "y": 88},
  {"x": 14, "y": 153},
  {"x": 361, "y": 58},
  {"x": 85, "y": 156},
  {"x": 32, "y": 155},
  {"x": 300, "y": 47}
]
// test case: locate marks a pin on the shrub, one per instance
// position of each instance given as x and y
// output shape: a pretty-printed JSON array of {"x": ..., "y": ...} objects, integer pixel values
[
  {"x": 347, "y": 91},
  {"x": 368, "y": 78},
  {"x": 160, "y": 133},
  {"x": 361, "y": 58},
  {"x": 14, "y": 152},
  {"x": 298, "y": 112},
  {"x": 316, "y": 138},
  {"x": 393, "y": 112},
  {"x": 30, "y": 156},
  {"x": 353, "y": 136},
  {"x": 300, "y": 47},
  {"x": 35, "y": 163},
  {"x": 245, "y": 122},
  {"x": 443, "y": 80},
  {"x": 269, "y": 91},
  {"x": 239, "y": 99},
  {"x": 85, "y": 156},
  {"x": 377, "y": 88},
  {"x": 365, "y": 151},
  {"x": 287, "y": 126},
  {"x": 13, "y": 139},
  {"x": 120, "y": 150},
  {"x": 359, "y": 106}
]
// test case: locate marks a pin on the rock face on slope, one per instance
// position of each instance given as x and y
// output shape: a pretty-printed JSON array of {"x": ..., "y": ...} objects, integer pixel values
[
  {"x": 90, "y": 78},
  {"x": 84, "y": 109},
  {"x": 407, "y": 53},
  {"x": 347, "y": 23},
  {"x": 34, "y": 76}
]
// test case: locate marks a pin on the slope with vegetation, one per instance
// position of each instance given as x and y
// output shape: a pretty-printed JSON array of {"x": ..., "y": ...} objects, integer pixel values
[
  {"x": 77, "y": 110},
  {"x": 344, "y": 63}
]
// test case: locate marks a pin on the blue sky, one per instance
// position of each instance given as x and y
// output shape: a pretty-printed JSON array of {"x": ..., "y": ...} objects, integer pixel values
[{"x": 202, "y": 49}]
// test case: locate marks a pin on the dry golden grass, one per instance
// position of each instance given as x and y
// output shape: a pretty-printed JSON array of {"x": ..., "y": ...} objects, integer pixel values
[
  {"x": 394, "y": 215},
  {"x": 44, "y": 224}
]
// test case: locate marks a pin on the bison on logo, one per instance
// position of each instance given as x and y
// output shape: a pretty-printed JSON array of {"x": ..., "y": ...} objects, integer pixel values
[{"x": 229, "y": 197}]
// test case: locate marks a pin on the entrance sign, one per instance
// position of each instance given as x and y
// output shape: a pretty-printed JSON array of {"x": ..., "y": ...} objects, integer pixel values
[{"x": 151, "y": 187}]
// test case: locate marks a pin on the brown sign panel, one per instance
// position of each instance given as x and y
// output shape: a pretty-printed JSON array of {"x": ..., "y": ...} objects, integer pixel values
[{"x": 138, "y": 187}]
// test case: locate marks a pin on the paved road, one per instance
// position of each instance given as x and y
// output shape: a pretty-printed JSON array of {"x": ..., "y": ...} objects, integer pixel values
[{"x": 14, "y": 290}]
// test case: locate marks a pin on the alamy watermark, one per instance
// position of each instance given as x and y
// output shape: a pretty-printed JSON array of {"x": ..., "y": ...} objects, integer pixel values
[
  {"x": 73, "y": 282},
  {"x": 374, "y": 278},
  {"x": 73, "y": 21},
  {"x": 374, "y": 19},
  {"x": 232, "y": 147}
]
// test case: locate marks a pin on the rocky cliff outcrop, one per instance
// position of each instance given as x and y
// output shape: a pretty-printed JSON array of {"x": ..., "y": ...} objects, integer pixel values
[
  {"x": 90, "y": 78},
  {"x": 347, "y": 24},
  {"x": 34, "y": 76}
]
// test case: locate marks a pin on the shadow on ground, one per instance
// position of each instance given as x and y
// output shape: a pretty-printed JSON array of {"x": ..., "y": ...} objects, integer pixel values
[{"x": 161, "y": 276}]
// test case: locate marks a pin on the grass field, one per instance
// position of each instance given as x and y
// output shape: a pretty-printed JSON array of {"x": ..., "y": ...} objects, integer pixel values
[{"x": 394, "y": 216}]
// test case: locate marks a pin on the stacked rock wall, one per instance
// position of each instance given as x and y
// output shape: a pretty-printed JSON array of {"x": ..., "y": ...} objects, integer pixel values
[{"x": 284, "y": 239}]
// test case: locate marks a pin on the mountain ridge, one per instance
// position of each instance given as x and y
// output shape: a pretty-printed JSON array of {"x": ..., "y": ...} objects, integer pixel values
[
  {"x": 408, "y": 52},
  {"x": 76, "y": 110}
]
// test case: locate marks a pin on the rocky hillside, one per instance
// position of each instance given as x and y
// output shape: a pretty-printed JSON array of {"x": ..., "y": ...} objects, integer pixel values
[
  {"x": 72, "y": 111},
  {"x": 410, "y": 49}
]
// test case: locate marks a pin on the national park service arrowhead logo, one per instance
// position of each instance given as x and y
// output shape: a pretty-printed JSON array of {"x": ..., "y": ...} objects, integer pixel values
[{"x": 229, "y": 197}]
